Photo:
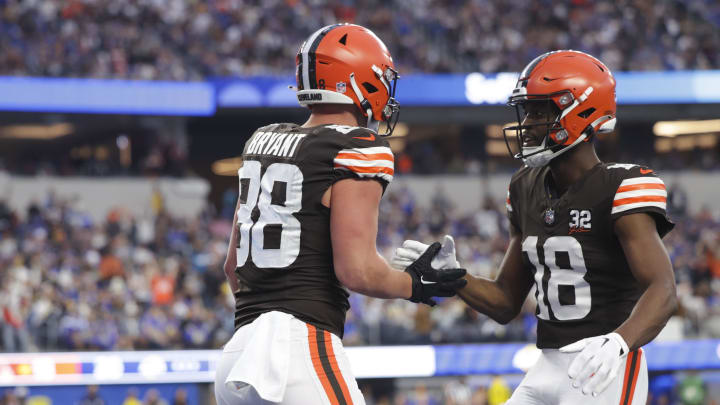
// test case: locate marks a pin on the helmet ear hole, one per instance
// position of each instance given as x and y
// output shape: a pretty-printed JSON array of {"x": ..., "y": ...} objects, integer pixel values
[
  {"x": 369, "y": 87},
  {"x": 586, "y": 113}
]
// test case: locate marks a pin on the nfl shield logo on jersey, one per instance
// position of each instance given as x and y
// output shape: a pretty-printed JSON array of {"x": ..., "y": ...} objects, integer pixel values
[
  {"x": 549, "y": 216},
  {"x": 340, "y": 87}
]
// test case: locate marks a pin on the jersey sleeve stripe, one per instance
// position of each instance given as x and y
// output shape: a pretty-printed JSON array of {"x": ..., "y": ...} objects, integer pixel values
[
  {"x": 632, "y": 200},
  {"x": 365, "y": 156},
  {"x": 640, "y": 193},
  {"x": 633, "y": 187},
  {"x": 368, "y": 170},
  {"x": 364, "y": 163},
  {"x": 625, "y": 207},
  {"x": 369, "y": 151},
  {"x": 641, "y": 180}
]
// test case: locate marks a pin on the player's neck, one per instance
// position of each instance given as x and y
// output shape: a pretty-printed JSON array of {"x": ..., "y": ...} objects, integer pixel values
[
  {"x": 570, "y": 167},
  {"x": 333, "y": 114}
]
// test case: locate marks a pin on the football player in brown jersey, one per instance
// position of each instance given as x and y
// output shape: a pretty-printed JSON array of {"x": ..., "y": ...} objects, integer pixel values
[
  {"x": 306, "y": 226},
  {"x": 586, "y": 234}
]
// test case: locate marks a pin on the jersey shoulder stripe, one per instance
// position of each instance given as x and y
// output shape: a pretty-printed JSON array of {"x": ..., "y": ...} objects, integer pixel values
[
  {"x": 639, "y": 192},
  {"x": 377, "y": 161}
]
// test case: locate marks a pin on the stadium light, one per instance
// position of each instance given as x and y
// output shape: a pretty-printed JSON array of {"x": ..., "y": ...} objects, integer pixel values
[
  {"x": 227, "y": 167},
  {"x": 496, "y": 130},
  {"x": 401, "y": 129},
  {"x": 686, "y": 143},
  {"x": 42, "y": 132},
  {"x": 674, "y": 128}
]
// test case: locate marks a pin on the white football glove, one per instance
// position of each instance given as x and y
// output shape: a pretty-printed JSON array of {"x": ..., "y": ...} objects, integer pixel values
[
  {"x": 598, "y": 363},
  {"x": 412, "y": 249}
]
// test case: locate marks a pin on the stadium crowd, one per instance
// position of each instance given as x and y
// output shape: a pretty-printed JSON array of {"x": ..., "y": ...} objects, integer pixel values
[
  {"x": 155, "y": 282},
  {"x": 193, "y": 39}
]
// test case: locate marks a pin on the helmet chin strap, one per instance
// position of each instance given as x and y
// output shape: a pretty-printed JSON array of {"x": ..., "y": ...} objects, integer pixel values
[
  {"x": 540, "y": 159},
  {"x": 372, "y": 124}
]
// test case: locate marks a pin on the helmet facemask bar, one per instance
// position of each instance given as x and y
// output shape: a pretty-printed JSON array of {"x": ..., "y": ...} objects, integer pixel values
[{"x": 391, "y": 111}]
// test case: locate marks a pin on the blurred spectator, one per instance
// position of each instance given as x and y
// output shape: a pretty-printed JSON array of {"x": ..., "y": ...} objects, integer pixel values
[
  {"x": 132, "y": 397},
  {"x": 192, "y": 40},
  {"x": 498, "y": 391},
  {"x": 110, "y": 266},
  {"x": 479, "y": 397},
  {"x": 457, "y": 393},
  {"x": 180, "y": 397},
  {"x": 152, "y": 397},
  {"x": 691, "y": 390},
  {"x": 422, "y": 396},
  {"x": 163, "y": 286},
  {"x": 92, "y": 397}
]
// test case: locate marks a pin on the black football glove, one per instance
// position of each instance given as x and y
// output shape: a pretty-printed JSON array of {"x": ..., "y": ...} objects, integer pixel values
[{"x": 428, "y": 282}]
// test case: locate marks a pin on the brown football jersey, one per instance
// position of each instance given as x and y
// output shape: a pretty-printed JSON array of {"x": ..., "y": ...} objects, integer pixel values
[
  {"x": 284, "y": 251},
  {"x": 583, "y": 283}
]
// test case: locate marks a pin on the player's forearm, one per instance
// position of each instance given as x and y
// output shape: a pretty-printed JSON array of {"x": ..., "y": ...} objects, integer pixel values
[
  {"x": 374, "y": 277},
  {"x": 485, "y": 296},
  {"x": 651, "y": 267},
  {"x": 651, "y": 313}
]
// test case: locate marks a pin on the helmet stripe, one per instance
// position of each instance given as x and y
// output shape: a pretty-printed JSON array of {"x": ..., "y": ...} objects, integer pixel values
[
  {"x": 531, "y": 66},
  {"x": 309, "y": 65},
  {"x": 304, "y": 60}
]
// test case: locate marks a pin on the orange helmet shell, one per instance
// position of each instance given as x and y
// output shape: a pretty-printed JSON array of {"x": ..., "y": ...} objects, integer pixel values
[
  {"x": 581, "y": 86},
  {"x": 339, "y": 61}
]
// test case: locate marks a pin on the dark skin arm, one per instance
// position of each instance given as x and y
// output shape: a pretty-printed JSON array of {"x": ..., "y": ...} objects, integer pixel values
[
  {"x": 501, "y": 299},
  {"x": 651, "y": 266}
]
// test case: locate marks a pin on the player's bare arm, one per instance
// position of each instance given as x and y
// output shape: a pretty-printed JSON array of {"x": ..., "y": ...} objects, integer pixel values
[
  {"x": 652, "y": 268},
  {"x": 231, "y": 258},
  {"x": 501, "y": 299},
  {"x": 353, "y": 227}
]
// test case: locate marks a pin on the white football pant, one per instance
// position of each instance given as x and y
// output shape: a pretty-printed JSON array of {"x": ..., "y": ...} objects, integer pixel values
[
  {"x": 278, "y": 359},
  {"x": 547, "y": 383}
]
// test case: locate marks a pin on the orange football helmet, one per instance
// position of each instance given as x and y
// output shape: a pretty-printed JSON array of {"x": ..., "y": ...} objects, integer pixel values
[
  {"x": 348, "y": 64},
  {"x": 580, "y": 86}
]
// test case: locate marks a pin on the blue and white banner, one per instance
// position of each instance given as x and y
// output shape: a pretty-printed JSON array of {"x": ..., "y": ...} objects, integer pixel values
[
  {"x": 444, "y": 90},
  {"x": 94, "y": 96},
  {"x": 158, "y": 367}
]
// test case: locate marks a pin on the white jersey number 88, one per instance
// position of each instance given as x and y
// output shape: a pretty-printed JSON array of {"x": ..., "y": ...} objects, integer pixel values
[{"x": 259, "y": 193}]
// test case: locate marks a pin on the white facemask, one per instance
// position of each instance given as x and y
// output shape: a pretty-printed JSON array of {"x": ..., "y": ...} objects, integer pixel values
[{"x": 540, "y": 159}]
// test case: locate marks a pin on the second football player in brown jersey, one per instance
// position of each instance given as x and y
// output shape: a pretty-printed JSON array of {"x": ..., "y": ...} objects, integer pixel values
[{"x": 585, "y": 234}]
